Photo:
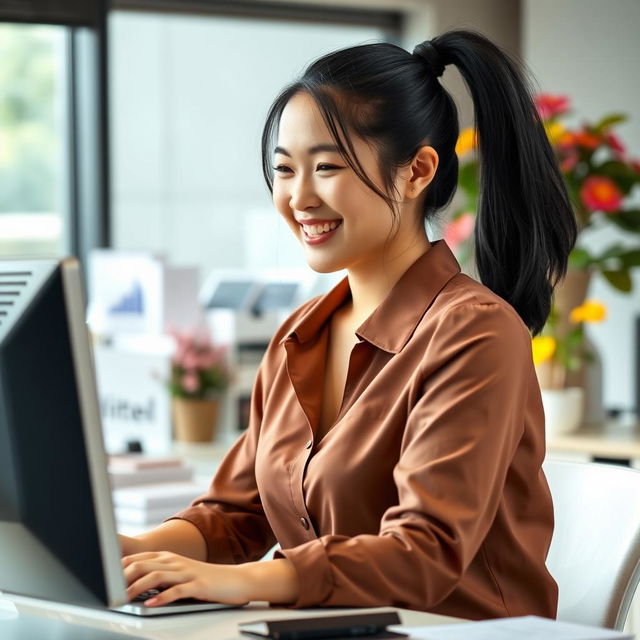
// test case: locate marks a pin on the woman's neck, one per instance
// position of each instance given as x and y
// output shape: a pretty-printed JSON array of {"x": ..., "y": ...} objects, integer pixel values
[{"x": 371, "y": 282}]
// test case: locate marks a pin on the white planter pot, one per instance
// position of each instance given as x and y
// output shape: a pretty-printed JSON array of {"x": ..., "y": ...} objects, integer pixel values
[{"x": 563, "y": 410}]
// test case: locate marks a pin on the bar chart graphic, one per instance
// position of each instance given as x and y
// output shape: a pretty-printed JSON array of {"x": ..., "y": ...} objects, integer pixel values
[{"x": 131, "y": 303}]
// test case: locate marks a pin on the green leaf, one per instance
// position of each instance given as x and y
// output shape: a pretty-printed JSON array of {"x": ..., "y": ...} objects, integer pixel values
[
  {"x": 620, "y": 280},
  {"x": 608, "y": 121},
  {"x": 628, "y": 220},
  {"x": 631, "y": 258},
  {"x": 579, "y": 258},
  {"x": 468, "y": 179}
]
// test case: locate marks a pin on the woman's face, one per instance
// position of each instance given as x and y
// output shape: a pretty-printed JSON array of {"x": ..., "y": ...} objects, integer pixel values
[{"x": 312, "y": 182}]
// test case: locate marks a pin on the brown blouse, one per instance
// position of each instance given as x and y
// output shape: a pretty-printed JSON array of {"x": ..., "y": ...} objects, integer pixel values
[{"x": 427, "y": 493}]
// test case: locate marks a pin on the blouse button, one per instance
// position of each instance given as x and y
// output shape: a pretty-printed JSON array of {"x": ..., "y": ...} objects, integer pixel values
[
  {"x": 309, "y": 444},
  {"x": 304, "y": 522}
]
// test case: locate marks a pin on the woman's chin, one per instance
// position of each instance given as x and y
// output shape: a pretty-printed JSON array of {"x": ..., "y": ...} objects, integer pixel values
[{"x": 324, "y": 266}]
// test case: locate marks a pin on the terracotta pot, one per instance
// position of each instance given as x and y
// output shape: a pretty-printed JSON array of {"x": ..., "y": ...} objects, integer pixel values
[{"x": 195, "y": 420}]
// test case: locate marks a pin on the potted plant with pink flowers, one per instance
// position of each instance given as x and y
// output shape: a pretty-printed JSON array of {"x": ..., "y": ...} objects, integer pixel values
[
  {"x": 199, "y": 375},
  {"x": 600, "y": 178}
]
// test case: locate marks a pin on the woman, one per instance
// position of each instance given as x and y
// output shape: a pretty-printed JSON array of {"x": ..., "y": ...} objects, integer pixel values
[{"x": 396, "y": 432}]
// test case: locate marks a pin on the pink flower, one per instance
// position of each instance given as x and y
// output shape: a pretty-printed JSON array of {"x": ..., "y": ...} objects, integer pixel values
[
  {"x": 459, "y": 230},
  {"x": 190, "y": 382},
  {"x": 549, "y": 105},
  {"x": 569, "y": 161},
  {"x": 600, "y": 193}
]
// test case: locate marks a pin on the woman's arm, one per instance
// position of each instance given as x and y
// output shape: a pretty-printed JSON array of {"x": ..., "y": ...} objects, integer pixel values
[
  {"x": 274, "y": 581},
  {"x": 179, "y": 536}
]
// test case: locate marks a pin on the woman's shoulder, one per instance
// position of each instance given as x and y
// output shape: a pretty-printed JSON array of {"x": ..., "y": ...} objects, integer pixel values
[{"x": 467, "y": 306}]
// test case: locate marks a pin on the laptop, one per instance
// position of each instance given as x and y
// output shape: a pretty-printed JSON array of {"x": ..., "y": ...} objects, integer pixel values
[{"x": 58, "y": 538}]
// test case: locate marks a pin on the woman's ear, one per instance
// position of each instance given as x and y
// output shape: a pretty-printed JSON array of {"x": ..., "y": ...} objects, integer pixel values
[{"x": 422, "y": 170}]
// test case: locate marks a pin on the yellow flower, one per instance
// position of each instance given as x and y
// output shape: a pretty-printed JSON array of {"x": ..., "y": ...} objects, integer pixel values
[
  {"x": 555, "y": 130},
  {"x": 467, "y": 141},
  {"x": 543, "y": 348},
  {"x": 589, "y": 311}
]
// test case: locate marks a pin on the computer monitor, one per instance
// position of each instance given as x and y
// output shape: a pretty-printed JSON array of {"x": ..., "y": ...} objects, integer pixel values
[{"x": 58, "y": 536}]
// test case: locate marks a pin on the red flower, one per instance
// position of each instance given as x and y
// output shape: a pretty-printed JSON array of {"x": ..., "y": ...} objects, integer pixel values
[
  {"x": 616, "y": 145},
  {"x": 599, "y": 193},
  {"x": 549, "y": 105}
]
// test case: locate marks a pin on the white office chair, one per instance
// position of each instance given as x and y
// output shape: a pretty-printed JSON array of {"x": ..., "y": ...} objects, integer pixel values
[{"x": 595, "y": 549}]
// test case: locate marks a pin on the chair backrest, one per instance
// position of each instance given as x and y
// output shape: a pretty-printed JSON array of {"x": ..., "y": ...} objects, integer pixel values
[{"x": 595, "y": 549}]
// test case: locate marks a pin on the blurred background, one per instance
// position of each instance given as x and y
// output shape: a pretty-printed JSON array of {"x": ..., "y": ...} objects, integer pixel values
[{"x": 135, "y": 125}]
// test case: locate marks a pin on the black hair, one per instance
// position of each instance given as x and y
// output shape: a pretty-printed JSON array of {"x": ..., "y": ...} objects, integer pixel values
[{"x": 525, "y": 226}]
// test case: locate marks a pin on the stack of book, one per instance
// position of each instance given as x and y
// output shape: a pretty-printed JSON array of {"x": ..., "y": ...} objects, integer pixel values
[{"x": 146, "y": 490}]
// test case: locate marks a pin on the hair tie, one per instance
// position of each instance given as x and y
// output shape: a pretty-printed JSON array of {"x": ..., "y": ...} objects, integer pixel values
[{"x": 428, "y": 53}]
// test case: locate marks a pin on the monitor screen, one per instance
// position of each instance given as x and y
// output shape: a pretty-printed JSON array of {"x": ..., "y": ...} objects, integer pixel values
[{"x": 56, "y": 517}]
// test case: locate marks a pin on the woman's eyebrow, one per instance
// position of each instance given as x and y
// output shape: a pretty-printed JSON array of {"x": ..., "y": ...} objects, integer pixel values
[{"x": 315, "y": 149}]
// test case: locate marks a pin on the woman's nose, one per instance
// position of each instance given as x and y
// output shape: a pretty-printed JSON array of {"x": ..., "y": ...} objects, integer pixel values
[{"x": 303, "y": 195}]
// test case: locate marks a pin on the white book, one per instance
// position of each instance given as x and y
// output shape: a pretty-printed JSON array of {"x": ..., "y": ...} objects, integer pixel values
[
  {"x": 155, "y": 496},
  {"x": 149, "y": 476},
  {"x": 132, "y": 515}
]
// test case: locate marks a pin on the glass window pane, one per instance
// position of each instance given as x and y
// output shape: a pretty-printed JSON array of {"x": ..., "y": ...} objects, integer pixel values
[{"x": 33, "y": 174}]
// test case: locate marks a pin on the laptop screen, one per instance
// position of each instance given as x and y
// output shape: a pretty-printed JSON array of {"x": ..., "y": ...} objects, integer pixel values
[{"x": 57, "y": 533}]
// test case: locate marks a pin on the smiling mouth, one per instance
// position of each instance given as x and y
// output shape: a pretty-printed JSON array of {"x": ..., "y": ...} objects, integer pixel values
[{"x": 315, "y": 230}]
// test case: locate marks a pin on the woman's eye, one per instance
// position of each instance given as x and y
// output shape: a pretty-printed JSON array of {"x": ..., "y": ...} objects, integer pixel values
[
  {"x": 281, "y": 168},
  {"x": 327, "y": 167}
]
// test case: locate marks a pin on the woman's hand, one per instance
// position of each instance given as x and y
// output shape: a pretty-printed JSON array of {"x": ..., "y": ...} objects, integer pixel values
[{"x": 181, "y": 577}]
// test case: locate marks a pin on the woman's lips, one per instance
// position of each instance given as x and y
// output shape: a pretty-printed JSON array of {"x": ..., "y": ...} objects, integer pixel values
[{"x": 322, "y": 237}]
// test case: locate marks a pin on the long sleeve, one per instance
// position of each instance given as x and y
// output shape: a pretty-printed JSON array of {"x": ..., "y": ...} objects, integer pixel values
[
  {"x": 459, "y": 442},
  {"x": 230, "y": 515}
]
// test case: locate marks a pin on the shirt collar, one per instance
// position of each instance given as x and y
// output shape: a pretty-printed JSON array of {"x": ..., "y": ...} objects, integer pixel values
[{"x": 393, "y": 322}]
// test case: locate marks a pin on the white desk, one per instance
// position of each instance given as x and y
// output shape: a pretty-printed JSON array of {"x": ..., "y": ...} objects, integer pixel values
[{"x": 214, "y": 625}]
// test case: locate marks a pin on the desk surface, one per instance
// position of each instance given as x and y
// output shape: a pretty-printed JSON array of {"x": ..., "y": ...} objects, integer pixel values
[
  {"x": 609, "y": 440},
  {"x": 213, "y": 625}
]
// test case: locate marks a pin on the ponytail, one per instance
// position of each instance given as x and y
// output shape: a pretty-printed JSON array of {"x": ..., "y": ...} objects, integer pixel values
[{"x": 525, "y": 226}]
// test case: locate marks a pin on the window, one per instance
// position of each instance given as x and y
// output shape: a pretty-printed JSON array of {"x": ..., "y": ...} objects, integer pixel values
[{"x": 33, "y": 176}]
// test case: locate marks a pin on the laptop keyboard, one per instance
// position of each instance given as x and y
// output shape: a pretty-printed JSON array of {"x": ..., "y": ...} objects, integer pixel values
[{"x": 149, "y": 593}]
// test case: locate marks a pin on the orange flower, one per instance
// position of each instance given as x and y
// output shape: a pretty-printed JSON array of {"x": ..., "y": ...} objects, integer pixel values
[
  {"x": 587, "y": 140},
  {"x": 599, "y": 193}
]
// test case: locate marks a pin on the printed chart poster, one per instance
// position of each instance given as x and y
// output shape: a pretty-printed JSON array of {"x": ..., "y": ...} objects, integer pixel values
[{"x": 126, "y": 291}]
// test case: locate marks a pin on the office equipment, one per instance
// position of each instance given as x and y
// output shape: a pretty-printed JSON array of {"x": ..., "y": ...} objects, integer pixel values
[
  {"x": 595, "y": 550},
  {"x": 57, "y": 533},
  {"x": 361, "y": 625}
]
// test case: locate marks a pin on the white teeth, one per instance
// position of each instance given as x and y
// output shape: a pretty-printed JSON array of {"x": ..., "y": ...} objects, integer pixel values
[{"x": 318, "y": 229}]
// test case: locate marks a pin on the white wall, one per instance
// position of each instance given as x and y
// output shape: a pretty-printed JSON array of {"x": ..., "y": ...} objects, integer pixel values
[
  {"x": 589, "y": 50},
  {"x": 189, "y": 96}
]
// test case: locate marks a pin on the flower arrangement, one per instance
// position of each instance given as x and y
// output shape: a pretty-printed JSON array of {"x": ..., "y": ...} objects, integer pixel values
[
  {"x": 561, "y": 352},
  {"x": 198, "y": 368},
  {"x": 600, "y": 178}
]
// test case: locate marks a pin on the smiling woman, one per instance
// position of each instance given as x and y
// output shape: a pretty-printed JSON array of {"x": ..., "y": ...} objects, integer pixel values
[{"x": 396, "y": 431}]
